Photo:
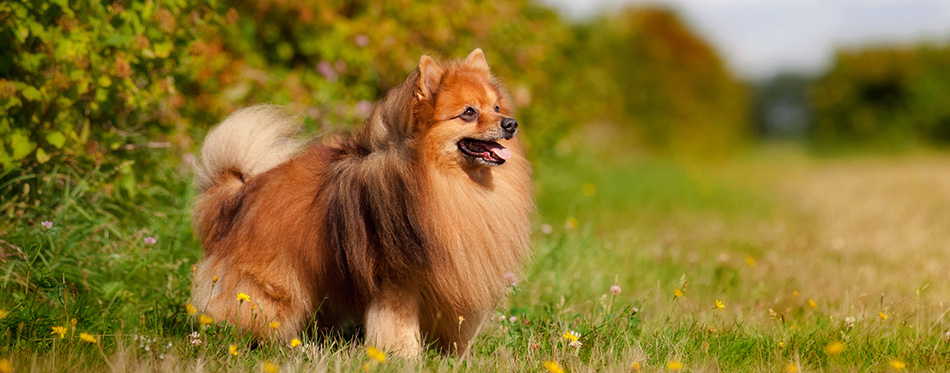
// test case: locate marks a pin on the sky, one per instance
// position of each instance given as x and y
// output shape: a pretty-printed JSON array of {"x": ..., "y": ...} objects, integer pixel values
[{"x": 759, "y": 38}]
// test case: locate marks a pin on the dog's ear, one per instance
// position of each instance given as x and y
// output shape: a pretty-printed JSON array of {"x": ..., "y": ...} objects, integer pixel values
[
  {"x": 430, "y": 73},
  {"x": 476, "y": 59}
]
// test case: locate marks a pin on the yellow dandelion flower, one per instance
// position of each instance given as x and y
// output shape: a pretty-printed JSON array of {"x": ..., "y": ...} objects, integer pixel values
[
  {"x": 678, "y": 293},
  {"x": 781, "y": 344},
  {"x": 794, "y": 326},
  {"x": 3, "y": 313},
  {"x": 5, "y": 366},
  {"x": 573, "y": 338},
  {"x": 795, "y": 293},
  {"x": 898, "y": 365},
  {"x": 750, "y": 261},
  {"x": 214, "y": 280},
  {"x": 233, "y": 350},
  {"x": 375, "y": 354},
  {"x": 274, "y": 325},
  {"x": 882, "y": 315},
  {"x": 366, "y": 367},
  {"x": 553, "y": 367},
  {"x": 812, "y": 304},
  {"x": 73, "y": 321},
  {"x": 86, "y": 337},
  {"x": 191, "y": 309},
  {"x": 571, "y": 223},
  {"x": 720, "y": 305},
  {"x": 674, "y": 365},
  {"x": 205, "y": 319},
  {"x": 294, "y": 342},
  {"x": 635, "y": 366},
  {"x": 243, "y": 297},
  {"x": 61, "y": 330},
  {"x": 270, "y": 367},
  {"x": 791, "y": 368},
  {"x": 461, "y": 319},
  {"x": 571, "y": 335},
  {"x": 834, "y": 348},
  {"x": 194, "y": 268}
]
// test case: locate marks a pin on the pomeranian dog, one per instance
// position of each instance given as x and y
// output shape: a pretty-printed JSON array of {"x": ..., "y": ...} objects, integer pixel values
[{"x": 410, "y": 228}]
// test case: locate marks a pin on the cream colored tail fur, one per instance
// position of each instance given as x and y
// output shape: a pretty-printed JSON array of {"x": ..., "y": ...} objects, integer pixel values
[{"x": 249, "y": 142}]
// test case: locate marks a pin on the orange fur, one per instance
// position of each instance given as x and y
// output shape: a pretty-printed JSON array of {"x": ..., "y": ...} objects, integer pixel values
[{"x": 393, "y": 227}]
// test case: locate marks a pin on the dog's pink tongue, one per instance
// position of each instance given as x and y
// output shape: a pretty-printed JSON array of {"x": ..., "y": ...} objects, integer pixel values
[{"x": 501, "y": 152}]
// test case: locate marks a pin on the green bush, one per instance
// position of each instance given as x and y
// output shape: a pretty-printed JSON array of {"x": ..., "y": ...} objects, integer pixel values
[
  {"x": 648, "y": 73},
  {"x": 886, "y": 98},
  {"x": 86, "y": 79}
]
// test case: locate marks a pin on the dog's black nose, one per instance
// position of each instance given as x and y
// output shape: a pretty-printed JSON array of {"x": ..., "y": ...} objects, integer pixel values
[{"x": 509, "y": 125}]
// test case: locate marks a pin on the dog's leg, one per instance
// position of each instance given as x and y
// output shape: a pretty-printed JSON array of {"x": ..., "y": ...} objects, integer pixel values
[
  {"x": 277, "y": 307},
  {"x": 392, "y": 323}
]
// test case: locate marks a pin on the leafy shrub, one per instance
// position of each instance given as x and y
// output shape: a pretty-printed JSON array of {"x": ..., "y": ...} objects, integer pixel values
[
  {"x": 884, "y": 97},
  {"x": 647, "y": 72},
  {"x": 92, "y": 85}
]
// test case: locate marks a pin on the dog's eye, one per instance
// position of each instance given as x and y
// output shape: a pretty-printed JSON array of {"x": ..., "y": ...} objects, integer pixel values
[
  {"x": 469, "y": 115},
  {"x": 497, "y": 109}
]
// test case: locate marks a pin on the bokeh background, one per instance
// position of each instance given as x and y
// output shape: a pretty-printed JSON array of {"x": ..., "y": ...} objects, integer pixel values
[{"x": 788, "y": 157}]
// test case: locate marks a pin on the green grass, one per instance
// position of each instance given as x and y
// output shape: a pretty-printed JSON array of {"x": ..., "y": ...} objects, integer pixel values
[{"x": 764, "y": 234}]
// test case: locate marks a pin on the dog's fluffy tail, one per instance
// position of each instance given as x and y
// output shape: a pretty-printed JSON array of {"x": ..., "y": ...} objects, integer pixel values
[{"x": 247, "y": 143}]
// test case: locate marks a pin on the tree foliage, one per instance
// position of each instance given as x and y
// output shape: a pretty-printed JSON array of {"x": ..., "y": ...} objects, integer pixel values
[
  {"x": 656, "y": 77},
  {"x": 884, "y": 97}
]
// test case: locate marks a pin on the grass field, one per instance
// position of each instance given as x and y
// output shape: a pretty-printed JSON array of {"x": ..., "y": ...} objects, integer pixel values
[{"x": 772, "y": 261}]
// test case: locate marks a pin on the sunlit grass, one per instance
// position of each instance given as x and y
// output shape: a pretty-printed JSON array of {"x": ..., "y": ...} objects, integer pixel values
[{"x": 771, "y": 263}]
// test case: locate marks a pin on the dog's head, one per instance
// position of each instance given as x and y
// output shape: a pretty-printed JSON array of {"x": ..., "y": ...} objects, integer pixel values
[{"x": 462, "y": 113}]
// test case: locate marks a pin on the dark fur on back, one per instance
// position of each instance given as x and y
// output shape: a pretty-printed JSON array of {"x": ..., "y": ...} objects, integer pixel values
[
  {"x": 371, "y": 189},
  {"x": 372, "y": 220}
]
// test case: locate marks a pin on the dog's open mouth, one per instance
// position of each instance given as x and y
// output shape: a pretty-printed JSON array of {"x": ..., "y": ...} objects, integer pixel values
[{"x": 489, "y": 151}]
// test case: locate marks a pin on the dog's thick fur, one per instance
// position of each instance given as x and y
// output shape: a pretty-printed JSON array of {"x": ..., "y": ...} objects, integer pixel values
[{"x": 392, "y": 227}]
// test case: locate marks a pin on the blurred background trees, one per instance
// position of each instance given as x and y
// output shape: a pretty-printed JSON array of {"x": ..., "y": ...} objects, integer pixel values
[
  {"x": 649, "y": 74},
  {"x": 884, "y": 97}
]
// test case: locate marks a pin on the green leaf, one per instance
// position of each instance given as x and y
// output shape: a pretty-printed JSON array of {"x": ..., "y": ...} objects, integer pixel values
[
  {"x": 162, "y": 50},
  {"x": 118, "y": 40},
  {"x": 56, "y": 139},
  {"x": 83, "y": 136},
  {"x": 21, "y": 32},
  {"x": 37, "y": 30},
  {"x": 127, "y": 182},
  {"x": 31, "y": 93},
  {"x": 41, "y": 155},
  {"x": 11, "y": 102},
  {"x": 22, "y": 146},
  {"x": 5, "y": 160},
  {"x": 31, "y": 61}
]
